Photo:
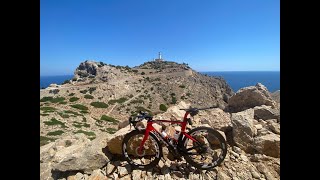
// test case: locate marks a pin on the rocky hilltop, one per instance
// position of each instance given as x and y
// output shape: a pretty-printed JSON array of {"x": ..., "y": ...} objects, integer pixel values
[
  {"x": 83, "y": 122},
  {"x": 101, "y": 95}
]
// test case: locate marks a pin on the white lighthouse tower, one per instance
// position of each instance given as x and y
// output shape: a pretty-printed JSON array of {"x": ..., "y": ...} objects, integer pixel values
[{"x": 159, "y": 58}]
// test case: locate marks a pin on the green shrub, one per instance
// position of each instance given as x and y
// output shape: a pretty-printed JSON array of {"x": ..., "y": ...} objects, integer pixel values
[
  {"x": 143, "y": 73},
  {"x": 84, "y": 112},
  {"x": 173, "y": 100},
  {"x": 72, "y": 112},
  {"x": 111, "y": 130},
  {"x": 46, "y": 108},
  {"x": 99, "y": 104},
  {"x": 52, "y": 99},
  {"x": 44, "y": 114},
  {"x": 55, "y": 133},
  {"x": 53, "y": 122},
  {"x": 45, "y": 99},
  {"x": 57, "y": 99},
  {"x": 71, "y": 94},
  {"x": 85, "y": 132},
  {"x": 45, "y": 140},
  {"x": 109, "y": 119},
  {"x": 87, "y": 96},
  {"x": 79, "y": 106},
  {"x": 182, "y": 86},
  {"x": 79, "y": 125},
  {"x": 183, "y": 97},
  {"x": 73, "y": 99},
  {"x": 91, "y": 89},
  {"x": 63, "y": 102},
  {"x": 188, "y": 94},
  {"x": 120, "y": 101},
  {"x": 84, "y": 91},
  {"x": 163, "y": 107}
]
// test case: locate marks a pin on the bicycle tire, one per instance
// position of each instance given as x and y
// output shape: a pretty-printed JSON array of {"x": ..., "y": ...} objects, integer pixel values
[
  {"x": 213, "y": 133},
  {"x": 126, "y": 149}
]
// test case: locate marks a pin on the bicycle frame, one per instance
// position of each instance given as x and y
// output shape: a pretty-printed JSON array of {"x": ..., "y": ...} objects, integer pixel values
[{"x": 150, "y": 128}]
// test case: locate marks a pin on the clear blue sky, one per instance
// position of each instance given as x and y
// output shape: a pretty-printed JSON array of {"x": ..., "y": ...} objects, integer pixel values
[{"x": 209, "y": 35}]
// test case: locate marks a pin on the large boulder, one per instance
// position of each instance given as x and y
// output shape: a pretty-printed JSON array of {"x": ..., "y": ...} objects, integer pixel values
[
  {"x": 73, "y": 153},
  {"x": 249, "y": 97},
  {"x": 268, "y": 144},
  {"x": 243, "y": 129},
  {"x": 266, "y": 112},
  {"x": 85, "y": 157}
]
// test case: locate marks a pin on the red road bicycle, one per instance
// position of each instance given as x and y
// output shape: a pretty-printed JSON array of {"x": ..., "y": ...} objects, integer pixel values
[{"x": 202, "y": 147}]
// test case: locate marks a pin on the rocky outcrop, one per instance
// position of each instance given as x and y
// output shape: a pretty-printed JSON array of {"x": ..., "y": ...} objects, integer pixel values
[
  {"x": 85, "y": 69},
  {"x": 252, "y": 135},
  {"x": 266, "y": 112},
  {"x": 243, "y": 129},
  {"x": 268, "y": 144},
  {"x": 249, "y": 97},
  {"x": 73, "y": 153}
]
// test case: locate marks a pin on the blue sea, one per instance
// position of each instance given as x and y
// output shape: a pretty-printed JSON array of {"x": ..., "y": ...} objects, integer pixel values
[
  {"x": 45, "y": 81},
  {"x": 236, "y": 79},
  {"x": 240, "y": 79}
]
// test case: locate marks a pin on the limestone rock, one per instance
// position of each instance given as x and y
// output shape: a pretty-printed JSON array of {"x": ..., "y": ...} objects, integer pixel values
[
  {"x": 266, "y": 112},
  {"x": 274, "y": 127},
  {"x": 97, "y": 175},
  {"x": 268, "y": 144},
  {"x": 249, "y": 97},
  {"x": 85, "y": 157},
  {"x": 222, "y": 176},
  {"x": 243, "y": 129}
]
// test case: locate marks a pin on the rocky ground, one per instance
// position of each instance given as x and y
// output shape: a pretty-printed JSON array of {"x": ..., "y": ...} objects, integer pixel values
[{"x": 250, "y": 122}]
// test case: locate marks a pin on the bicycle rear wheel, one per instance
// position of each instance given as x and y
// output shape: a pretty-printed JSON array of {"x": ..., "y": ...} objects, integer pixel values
[
  {"x": 148, "y": 157},
  {"x": 209, "y": 150}
]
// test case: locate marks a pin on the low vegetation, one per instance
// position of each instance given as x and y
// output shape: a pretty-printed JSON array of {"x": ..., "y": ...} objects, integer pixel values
[
  {"x": 109, "y": 119},
  {"x": 120, "y": 101},
  {"x": 99, "y": 104},
  {"x": 80, "y": 107},
  {"x": 55, "y": 133},
  {"x": 52, "y": 99},
  {"x": 73, "y": 99},
  {"x": 88, "y": 133},
  {"x": 87, "y": 96},
  {"x": 53, "y": 122},
  {"x": 163, "y": 107}
]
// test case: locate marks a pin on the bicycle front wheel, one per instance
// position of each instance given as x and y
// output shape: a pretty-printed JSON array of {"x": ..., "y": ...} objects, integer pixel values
[
  {"x": 208, "y": 151},
  {"x": 146, "y": 158}
]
